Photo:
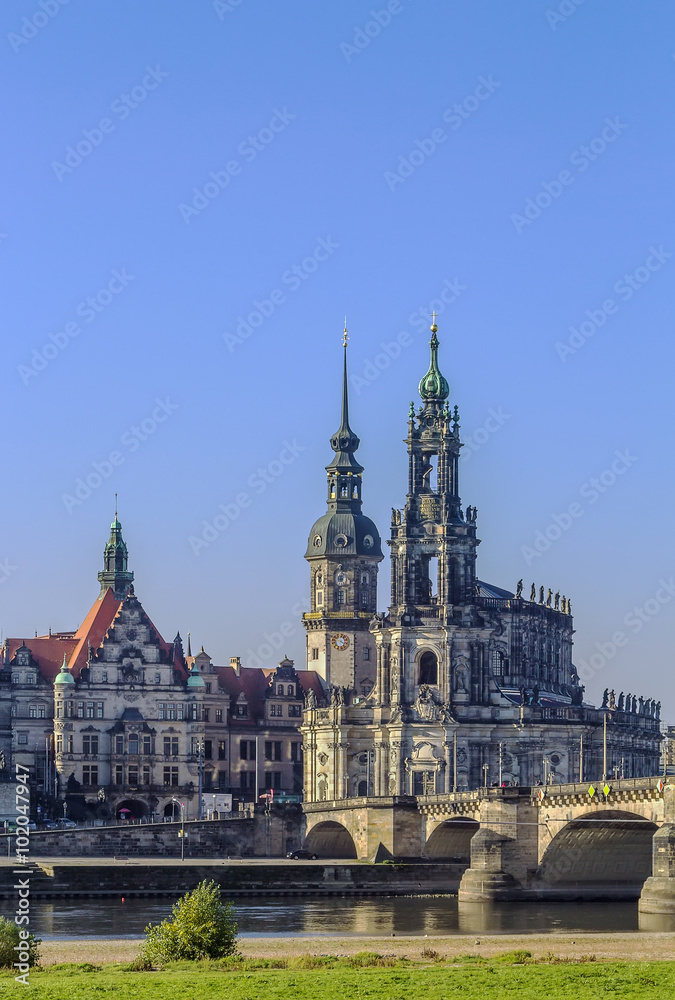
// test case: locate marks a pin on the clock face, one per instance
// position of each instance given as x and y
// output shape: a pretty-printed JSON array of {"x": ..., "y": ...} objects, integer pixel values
[{"x": 340, "y": 641}]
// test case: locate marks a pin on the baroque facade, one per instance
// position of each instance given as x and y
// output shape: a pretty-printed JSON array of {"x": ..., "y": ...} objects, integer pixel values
[
  {"x": 112, "y": 720},
  {"x": 461, "y": 683}
]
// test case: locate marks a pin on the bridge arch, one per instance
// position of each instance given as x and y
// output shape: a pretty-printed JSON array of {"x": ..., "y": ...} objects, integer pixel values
[
  {"x": 451, "y": 840},
  {"x": 612, "y": 847},
  {"x": 330, "y": 839}
]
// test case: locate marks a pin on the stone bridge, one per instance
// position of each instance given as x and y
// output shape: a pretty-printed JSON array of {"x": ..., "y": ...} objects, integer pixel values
[{"x": 576, "y": 841}]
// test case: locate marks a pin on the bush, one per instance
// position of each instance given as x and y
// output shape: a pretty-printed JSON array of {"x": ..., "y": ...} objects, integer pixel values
[
  {"x": 9, "y": 939},
  {"x": 202, "y": 927}
]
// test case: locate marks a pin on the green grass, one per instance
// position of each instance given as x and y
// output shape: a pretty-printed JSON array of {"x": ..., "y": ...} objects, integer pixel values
[{"x": 366, "y": 976}]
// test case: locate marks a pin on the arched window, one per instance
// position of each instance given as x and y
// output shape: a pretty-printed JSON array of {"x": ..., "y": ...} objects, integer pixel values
[
  {"x": 363, "y": 788},
  {"x": 428, "y": 668}
]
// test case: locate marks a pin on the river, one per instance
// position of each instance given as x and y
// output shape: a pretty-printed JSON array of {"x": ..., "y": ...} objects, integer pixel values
[{"x": 339, "y": 917}]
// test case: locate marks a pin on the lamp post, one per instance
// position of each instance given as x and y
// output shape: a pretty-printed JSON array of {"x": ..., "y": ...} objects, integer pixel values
[
  {"x": 368, "y": 760},
  {"x": 486, "y": 768},
  {"x": 501, "y": 745},
  {"x": 201, "y": 778},
  {"x": 182, "y": 827}
]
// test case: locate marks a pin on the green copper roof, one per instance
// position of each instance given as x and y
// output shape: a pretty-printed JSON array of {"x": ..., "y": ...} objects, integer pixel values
[
  {"x": 434, "y": 385},
  {"x": 195, "y": 681},
  {"x": 64, "y": 676}
]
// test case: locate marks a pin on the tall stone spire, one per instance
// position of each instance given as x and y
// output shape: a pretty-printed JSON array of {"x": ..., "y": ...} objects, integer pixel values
[
  {"x": 344, "y": 472},
  {"x": 115, "y": 575}
]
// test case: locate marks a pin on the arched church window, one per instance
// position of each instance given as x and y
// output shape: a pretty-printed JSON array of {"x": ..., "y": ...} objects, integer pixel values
[
  {"x": 365, "y": 579},
  {"x": 363, "y": 789},
  {"x": 344, "y": 491},
  {"x": 355, "y": 493},
  {"x": 428, "y": 668},
  {"x": 498, "y": 663}
]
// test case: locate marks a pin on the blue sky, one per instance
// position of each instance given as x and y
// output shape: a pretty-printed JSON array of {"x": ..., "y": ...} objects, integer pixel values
[{"x": 290, "y": 162}]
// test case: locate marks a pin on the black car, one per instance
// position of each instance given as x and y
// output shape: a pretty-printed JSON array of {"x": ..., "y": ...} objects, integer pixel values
[{"x": 302, "y": 855}]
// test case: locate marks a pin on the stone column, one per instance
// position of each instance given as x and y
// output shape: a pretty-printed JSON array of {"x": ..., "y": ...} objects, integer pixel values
[{"x": 658, "y": 892}]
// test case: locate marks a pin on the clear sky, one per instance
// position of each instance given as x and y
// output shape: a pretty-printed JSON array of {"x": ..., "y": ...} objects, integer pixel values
[{"x": 194, "y": 196}]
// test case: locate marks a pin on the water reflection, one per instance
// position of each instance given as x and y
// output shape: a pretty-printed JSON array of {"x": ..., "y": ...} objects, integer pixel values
[{"x": 333, "y": 917}]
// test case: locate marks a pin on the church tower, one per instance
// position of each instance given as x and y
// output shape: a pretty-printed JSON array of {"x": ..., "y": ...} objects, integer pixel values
[
  {"x": 343, "y": 552},
  {"x": 433, "y": 543},
  {"x": 115, "y": 574}
]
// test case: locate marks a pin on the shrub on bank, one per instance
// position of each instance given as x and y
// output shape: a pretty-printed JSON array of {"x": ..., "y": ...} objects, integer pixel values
[
  {"x": 10, "y": 938},
  {"x": 202, "y": 927}
]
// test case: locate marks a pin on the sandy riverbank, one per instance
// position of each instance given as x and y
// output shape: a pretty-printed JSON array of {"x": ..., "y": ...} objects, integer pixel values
[{"x": 605, "y": 947}]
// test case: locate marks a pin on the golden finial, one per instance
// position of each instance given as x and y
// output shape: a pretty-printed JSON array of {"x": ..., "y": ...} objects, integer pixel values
[
  {"x": 434, "y": 328},
  {"x": 345, "y": 338}
]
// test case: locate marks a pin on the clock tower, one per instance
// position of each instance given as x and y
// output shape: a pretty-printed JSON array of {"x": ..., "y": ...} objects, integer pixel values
[{"x": 343, "y": 552}]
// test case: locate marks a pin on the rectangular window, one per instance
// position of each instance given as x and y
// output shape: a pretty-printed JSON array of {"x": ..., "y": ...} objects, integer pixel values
[
  {"x": 276, "y": 710},
  {"x": 319, "y": 597},
  {"x": 241, "y": 710},
  {"x": 273, "y": 779},
  {"x": 119, "y": 774},
  {"x": 179, "y": 711},
  {"x": 59, "y": 744},
  {"x": 366, "y": 652},
  {"x": 272, "y": 750},
  {"x": 147, "y": 745},
  {"x": 133, "y": 775},
  {"x": 340, "y": 597},
  {"x": 90, "y": 775},
  {"x": 170, "y": 746},
  {"x": 208, "y": 749},
  {"x": 80, "y": 709},
  {"x": 295, "y": 751},
  {"x": 119, "y": 744},
  {"x": 294, "y": 711},
  {"x": 208, "y": 687},
  {"x": 30, "y": 679},
  {"x": 247, "y": 749},
  {"x": 194, "y": 746},
  {"x": 58, "y": 711},
  {"x": 99, "y": 709},
  {"x": 160, "y": 712},
  {"x": 315, "y": 653},
  {"x": 86, "y": 744},
  {"x": 205, "y": 714},
  {"x": 219, "y": 715},
  {"x": 222, "y": 750},
  {"x": 104, "y": 676},
  {"x": 146, "y": 775},
  {"x": 32, "y": 711},
  {"x": 171, "y": 712},
  {"x": 167, "y": 775},
  {"x": 222, "y": 781},
  {"x": 90, "y": 710},
  {"x": 247, "y": 780},
  {"x": 158, "y": 678},
  {"x": 23, "y": 737},
  {"x": 70, "y": 744}
]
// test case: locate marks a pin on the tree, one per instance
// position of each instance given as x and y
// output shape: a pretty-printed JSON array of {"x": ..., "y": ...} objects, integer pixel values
[
  {"x": 202, "y": 927},
  {"x": 15, "y": 946}
]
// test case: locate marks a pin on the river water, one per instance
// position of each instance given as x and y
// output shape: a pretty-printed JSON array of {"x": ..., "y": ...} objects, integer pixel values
[{"x": 340, "y": 917}]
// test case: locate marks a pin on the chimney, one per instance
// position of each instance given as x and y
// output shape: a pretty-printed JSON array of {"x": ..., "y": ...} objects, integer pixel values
[{"x": 235, "y": 663}]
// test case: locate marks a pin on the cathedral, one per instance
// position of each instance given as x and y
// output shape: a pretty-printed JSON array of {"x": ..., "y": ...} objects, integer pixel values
[{"x": 460, "y": 684}]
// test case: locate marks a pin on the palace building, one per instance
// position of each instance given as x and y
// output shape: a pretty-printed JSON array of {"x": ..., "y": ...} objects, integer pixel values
[{"x": 461, "y": 683}]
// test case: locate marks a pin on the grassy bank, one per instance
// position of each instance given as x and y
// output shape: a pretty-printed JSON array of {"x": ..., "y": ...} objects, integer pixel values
[{"x": 364, "y": 975}]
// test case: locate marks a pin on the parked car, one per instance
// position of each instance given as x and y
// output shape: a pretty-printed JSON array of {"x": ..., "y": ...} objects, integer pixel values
[
  {"x": 302, "y": 855},
  {"x": 67, "y": 823},
  {"x": 49, "y": 824}
]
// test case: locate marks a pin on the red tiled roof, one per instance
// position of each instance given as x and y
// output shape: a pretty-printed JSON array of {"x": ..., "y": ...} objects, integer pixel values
[
  {"x": 253, "y": 683},
  {"x": 49, "y": 650}
]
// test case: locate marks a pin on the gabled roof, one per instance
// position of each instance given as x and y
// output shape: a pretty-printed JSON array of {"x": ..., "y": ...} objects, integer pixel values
[{"x": 253, "y": 683}]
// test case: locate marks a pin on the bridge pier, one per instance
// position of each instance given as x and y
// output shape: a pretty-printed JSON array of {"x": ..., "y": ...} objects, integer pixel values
[
  {"x": 658, "y": 892},
  {"x": 504, "y": 851}
]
